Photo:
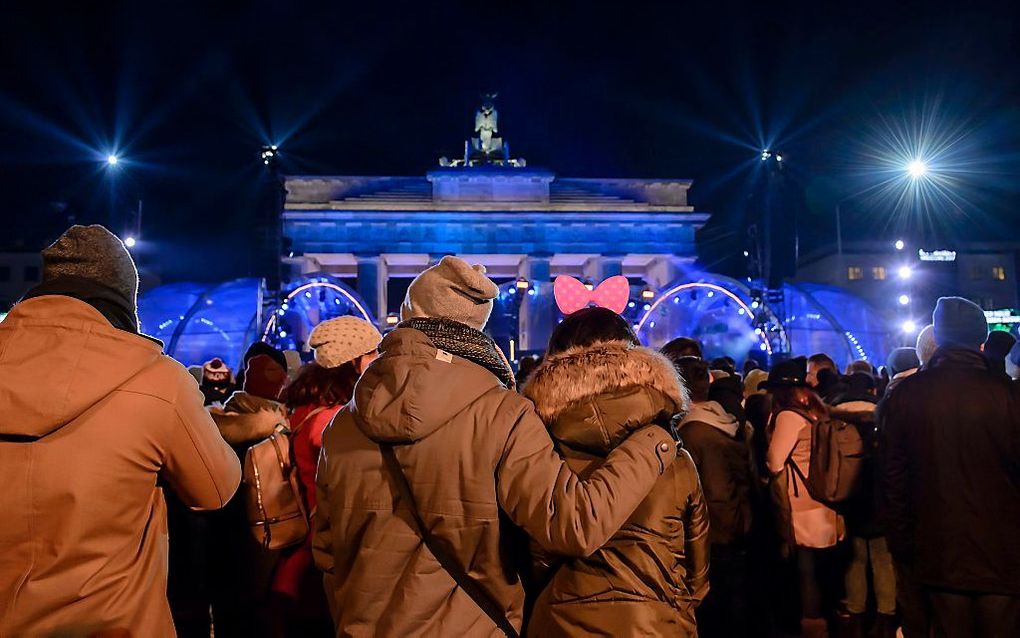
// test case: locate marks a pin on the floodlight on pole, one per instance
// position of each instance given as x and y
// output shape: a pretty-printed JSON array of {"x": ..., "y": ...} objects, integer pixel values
[
  {"x": 111, "y": 160},
  {"x": 130, "y": 241},
  {"x": 899, "y": 244},
  {"x": 905, "y": 272}
]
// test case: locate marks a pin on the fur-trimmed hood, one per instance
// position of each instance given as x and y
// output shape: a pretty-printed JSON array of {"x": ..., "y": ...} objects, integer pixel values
[
  {"x": 247, "y": 418},
  {"x": 592, "y": 397}
]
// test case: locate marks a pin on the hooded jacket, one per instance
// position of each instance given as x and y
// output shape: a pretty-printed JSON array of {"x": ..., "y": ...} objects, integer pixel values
[
  {"x": 720, "y": 447},
  {"x": 648, "y": 578},
  {"x": 471, "y": 449},
  {"x": 951, "y": 474},
  {"x": 93, "y": 422}
]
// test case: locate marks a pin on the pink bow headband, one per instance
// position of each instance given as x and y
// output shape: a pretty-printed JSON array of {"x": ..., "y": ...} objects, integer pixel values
[{"x": 572, "y": 295}]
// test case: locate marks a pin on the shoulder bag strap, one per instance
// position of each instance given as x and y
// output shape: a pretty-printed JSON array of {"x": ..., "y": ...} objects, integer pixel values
[
  {"x": 448, "y": 562},
  {"x": 308, "y": 417}
]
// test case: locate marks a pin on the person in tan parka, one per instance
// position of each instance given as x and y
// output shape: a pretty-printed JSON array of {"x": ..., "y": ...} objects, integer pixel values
[
  {"x": 472, "y": 451},
  {"x": 94, "y": 423},
  {"x": 595, "y": 384}
]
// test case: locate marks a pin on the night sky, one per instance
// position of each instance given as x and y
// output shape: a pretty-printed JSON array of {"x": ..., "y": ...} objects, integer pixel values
[{"x": 187, "y": 95}]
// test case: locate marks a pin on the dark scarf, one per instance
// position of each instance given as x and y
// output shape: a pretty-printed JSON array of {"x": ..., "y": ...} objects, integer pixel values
[
  {"x": 465, "y": 342},
  {"x": 117, "y": 309}
]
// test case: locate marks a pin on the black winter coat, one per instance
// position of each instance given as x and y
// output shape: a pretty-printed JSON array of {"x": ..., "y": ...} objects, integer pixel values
[
  {"x": 861, "y": 510},
  {"x": 951, "y": 475}
]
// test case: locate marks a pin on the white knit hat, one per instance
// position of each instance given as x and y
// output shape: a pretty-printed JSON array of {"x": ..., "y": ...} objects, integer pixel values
[
  {"x": 453, "y": 289},
  {"x": 343, "y": 339}
]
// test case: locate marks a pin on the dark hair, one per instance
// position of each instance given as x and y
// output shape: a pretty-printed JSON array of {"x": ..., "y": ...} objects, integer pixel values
[
  {"x": 726, "y": 364},
  {"x": 316, "y": 385},
  {"x": 588, "y": 326},
  {"x": 798, "y": 398},
  {"x": 681, "y": 347},
  {"x": 694, "y": 372},
  {"x": 823, "y": 360},
  {"x": 860, "y": 365}
]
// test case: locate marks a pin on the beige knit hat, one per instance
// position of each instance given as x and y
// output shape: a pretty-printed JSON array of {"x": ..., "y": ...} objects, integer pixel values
[
  {"x": 343, "y": 339},
  {"x": 452, "y": 289}
]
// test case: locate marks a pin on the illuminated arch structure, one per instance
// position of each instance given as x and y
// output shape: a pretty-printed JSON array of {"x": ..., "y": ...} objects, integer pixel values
[
  {"x": 721, "y": 313},
  {"x": 197, "y": 322},
  {"x": 307, "y": 304}
]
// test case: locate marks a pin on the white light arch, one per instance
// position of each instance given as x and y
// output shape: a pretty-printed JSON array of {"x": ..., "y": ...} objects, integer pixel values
[
  {"x": 697, "y": 285},
  {"x": 317, "y": 284}
]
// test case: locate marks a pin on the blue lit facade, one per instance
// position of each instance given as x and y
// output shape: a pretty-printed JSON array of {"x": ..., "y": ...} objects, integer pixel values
[{"x": 357, "y": 242}]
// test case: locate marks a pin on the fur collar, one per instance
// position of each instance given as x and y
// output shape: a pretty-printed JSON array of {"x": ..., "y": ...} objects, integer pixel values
[
  {"x": 580, "y": 373},
  {"x": 246, "y": 418}
]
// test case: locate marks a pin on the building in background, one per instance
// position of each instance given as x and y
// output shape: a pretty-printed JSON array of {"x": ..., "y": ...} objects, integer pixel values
[
  {"x": 903, "y": 281},
  {"x": 19, "y": 272}
]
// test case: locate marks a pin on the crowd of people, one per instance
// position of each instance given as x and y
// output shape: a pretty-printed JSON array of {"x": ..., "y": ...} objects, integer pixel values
[{"x": 604, "y": 489}]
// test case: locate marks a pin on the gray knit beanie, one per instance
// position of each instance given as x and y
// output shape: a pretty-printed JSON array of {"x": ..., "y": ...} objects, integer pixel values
[
  {"x": 96, "y": 254},
  {"x": 452, "y": 289}
]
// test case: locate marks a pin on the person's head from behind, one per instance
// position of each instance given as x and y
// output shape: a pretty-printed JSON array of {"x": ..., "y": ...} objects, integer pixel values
[
  {"x": 724, "y": 364},
  {"x": 93, "y": 262},
  {"x": 452, "y": 289},
  {"x": 264, "y": 377},
  {"x": 589, "y": 326},
  {"x": 861, "y": 384},
  {"x": 789, "y": 389},
  {"x": 681, "y": 347},
  {"x": 817, "y": 362},
  {"x": 860, "y": 365},
  {"x": 959, "y": 323},
  {"x": 344, "y": 347},
  {"x": 695, "y": 374},
  {"x": 925, "y": 345}
]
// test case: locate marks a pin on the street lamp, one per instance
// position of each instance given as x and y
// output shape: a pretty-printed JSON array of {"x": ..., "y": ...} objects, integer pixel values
[
  {"x": 909, "y": 326},
  {"x": 904, "y": 300},
  {"x": 899, "y": 244},
  {"x": 130, "y": 241},
  {"x": 905, "y": 272}
]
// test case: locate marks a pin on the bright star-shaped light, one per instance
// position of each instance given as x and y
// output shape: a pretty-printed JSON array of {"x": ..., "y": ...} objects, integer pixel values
[
  {"x": 917, "y": 169},
  {"x": 112, "y": 159}
]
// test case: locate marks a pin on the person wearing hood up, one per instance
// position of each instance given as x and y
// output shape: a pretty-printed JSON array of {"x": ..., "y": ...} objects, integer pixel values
[
  {"x": 95, "y": 422},
  {"x": 435, "y": 455},
  {"x": 720, "y": 446},
  {"x": 596, "y": 381}
]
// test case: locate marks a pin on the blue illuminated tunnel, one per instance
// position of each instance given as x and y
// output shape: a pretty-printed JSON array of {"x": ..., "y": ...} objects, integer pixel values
[
  {"x": 197, "y": 322},
  {"x": 720, "y": 313}
]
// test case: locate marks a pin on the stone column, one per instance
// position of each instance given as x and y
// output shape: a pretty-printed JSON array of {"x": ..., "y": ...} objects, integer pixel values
[
  {"x": 537, "y": 310},
  {"x": 372, "y": 284},
  {"x": 612, "y": 265}
]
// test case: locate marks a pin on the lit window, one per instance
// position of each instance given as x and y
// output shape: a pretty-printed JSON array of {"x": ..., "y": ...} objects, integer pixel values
[
  {"x": 854, "y": 273},
  {"x": 998, "y": 273},
  {"x": 878, "y": 273}
]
